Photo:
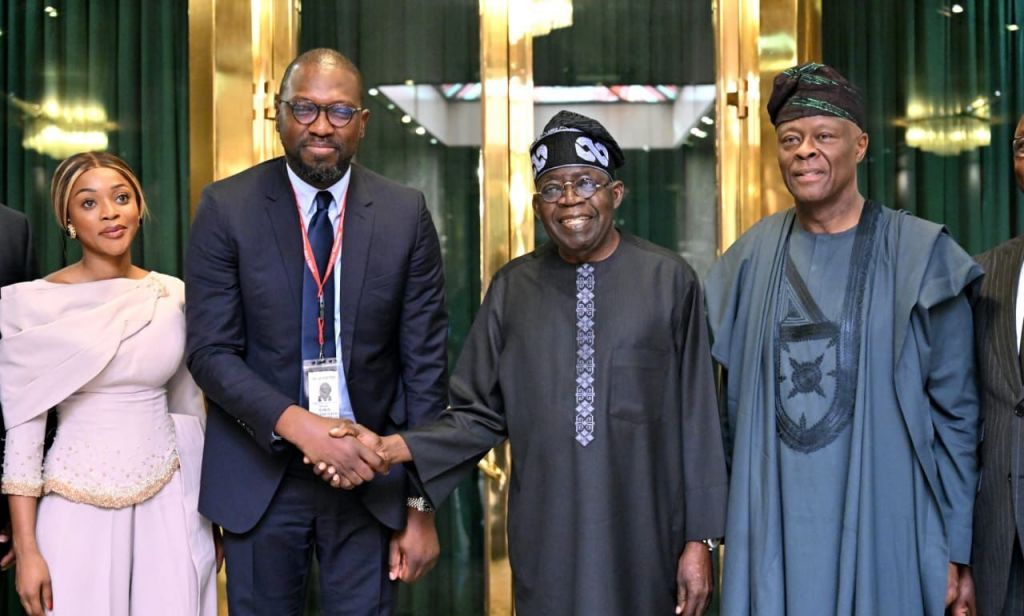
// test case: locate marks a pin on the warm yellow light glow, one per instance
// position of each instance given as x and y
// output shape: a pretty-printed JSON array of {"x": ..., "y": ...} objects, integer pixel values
[
  {"x": 916, "y": 109},
  {"x": 54, "y": 141},
  {"x": 948, "y": 135},
  {"x": 59, "y": 129}
]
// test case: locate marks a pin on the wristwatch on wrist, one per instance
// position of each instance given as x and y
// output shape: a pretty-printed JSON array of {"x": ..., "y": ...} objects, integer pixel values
[
  {"x": 711, "y": 544},
  {"x": 419, "y": 503}
]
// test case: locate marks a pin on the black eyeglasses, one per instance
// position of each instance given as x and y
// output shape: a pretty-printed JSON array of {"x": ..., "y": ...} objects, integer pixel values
[
  {"x": 1018, "y": 147},
  {"x": 306, "y": 112},
  {"x": 584, "y": 187}
]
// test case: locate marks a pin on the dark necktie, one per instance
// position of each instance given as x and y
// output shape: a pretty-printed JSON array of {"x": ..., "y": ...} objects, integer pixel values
[{"x": 321, "y": 240}]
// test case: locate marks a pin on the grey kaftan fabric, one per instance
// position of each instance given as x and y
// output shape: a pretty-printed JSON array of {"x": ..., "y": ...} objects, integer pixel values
[
  {"x": 807, "y": 390},
  {"x": 596, "y": 529}
]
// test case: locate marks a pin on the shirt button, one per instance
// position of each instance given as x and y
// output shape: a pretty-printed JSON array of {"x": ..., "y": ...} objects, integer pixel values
[{"x": 1019, "y": 409}]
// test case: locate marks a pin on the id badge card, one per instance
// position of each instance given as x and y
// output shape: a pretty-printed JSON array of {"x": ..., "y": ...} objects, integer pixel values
[{"x": 320, "y": 376}]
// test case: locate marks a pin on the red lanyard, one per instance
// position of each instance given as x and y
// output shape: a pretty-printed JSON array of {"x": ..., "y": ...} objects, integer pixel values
[{"x": 314, "y": 270}]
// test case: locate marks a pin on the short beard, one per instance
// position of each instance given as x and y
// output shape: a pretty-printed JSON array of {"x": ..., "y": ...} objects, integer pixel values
[{"x": 320, "y": 175}]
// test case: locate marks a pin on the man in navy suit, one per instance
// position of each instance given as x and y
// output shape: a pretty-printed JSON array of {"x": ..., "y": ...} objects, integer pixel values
[
  {"x": 261, "y": 334},
  {"x": 17, "y": 264}
]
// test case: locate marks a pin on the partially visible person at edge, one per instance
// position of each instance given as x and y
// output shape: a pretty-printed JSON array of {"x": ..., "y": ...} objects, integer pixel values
[
  {"x": 998, "y": 557},
  {"x": 844, "y": 330},
  {"x": 308, "y": 270},
  {"x": 17, "y": 264},
  {"x": 590, "y": 354},
  {"x": 107, "y": 523}
]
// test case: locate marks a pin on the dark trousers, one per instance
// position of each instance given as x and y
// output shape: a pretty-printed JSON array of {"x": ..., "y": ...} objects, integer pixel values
[
  {"x": 1014, "y": 603},
  {"x": 268, "y": 567}
]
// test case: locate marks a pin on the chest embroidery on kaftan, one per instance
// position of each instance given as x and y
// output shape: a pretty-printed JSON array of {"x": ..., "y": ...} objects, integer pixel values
[
  {"x": 816, "y": 359},
  {"x": 585, "y": 354}
]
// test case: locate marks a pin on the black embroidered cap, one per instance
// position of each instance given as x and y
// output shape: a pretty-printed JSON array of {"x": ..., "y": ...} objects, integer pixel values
[
  {"x": 572, "y": 139},
  {"x": 814, "y": 89}
]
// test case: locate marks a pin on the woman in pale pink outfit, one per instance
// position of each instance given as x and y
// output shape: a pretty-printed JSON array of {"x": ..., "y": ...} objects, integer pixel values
[{"x": 107, "y": 523}]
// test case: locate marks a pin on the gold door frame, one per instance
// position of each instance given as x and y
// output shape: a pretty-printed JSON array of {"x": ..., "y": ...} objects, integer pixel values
[
  {"x": 237, "y": 51},
  {"x": 506, "y": 229},
  {"x": 754, "y": 40}
]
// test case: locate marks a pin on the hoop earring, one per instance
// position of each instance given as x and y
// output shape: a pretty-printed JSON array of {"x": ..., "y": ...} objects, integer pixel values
[{"x": 71, "y": 231}]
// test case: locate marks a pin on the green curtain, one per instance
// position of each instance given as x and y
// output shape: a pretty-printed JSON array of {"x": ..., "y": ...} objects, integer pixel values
[
  {"x": 918, "y": 53},
  {"x": 629, "y": 42},
  {"x": 671, "y": 200},
  {"x": 428, "y": 41},
  {"x": 130, "y": 59}
]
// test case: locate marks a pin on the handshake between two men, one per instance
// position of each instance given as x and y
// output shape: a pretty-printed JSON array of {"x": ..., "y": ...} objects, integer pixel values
[
  {"x": 345, "y": 455},
  {"x": 359, "y": 454}
]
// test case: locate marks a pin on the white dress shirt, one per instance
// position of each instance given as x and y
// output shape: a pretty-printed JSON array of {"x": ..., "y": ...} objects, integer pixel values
[{"x": 306, "y": 195}]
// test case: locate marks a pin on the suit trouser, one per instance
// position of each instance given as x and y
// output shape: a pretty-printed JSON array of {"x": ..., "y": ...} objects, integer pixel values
[
  {"x": 268, "y": 567},
  {"x": 1014, "y": 603}
]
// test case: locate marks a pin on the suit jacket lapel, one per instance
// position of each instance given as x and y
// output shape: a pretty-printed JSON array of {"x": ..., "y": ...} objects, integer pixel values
[
  {"x": 284, "y": 222},
  {"x": 1008, "y": 278},
  {"x": 355, "y": 253}
]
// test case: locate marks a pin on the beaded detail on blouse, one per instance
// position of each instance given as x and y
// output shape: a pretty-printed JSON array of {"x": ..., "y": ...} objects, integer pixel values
[{"x": 105, "y": 354}]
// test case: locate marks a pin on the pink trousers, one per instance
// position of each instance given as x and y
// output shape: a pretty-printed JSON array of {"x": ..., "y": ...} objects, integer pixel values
[{"x": 151, "y": 559}]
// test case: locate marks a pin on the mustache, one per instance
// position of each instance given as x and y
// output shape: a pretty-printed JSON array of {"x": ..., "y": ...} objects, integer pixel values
[{"x": 331, "y": 143}]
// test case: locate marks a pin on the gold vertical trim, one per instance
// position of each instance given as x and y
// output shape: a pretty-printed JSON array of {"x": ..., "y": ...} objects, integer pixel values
[
  {"x": 494, "y": 221},
  {"x": 237, "y": 51},
  {"x": 506, "y": 228},
  {"x": 737, "y": 102},
  {"x": 200, "y": 97},
  {"x": 520, "y": 129},
  {"x": 754, "y": 40},
  {"x": 495, "y": 250},
  {"x": 273, "y": 46}
]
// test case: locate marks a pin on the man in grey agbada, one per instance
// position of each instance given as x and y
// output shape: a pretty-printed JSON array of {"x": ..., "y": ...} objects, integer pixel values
[{"x": 844, "y": 329}]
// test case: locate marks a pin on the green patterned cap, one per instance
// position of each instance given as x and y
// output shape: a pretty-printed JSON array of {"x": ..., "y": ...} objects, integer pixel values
[{"x": 814, "y": 89}]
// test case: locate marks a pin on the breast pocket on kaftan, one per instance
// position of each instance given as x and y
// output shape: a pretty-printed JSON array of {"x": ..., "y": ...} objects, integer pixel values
[{"x": 638, "y": 380}]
